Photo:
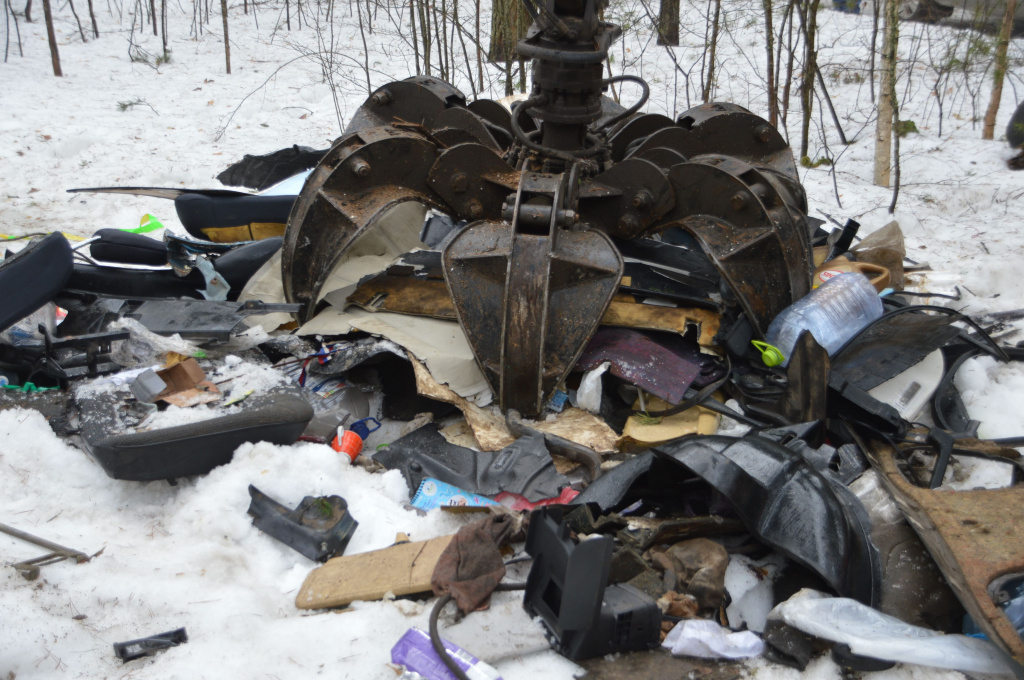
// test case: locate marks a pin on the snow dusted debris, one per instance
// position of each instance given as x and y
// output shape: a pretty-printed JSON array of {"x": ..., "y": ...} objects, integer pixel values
[
  {"x": 237, "y": 380},
  {"x": 749, "y": 583},
  {"x": 188, "y": 556}
]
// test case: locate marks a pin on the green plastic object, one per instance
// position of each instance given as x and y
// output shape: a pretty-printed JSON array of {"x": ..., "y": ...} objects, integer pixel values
[
  {"x": 28, "y": 387},
  {"x": 147, "y": 224},
  {"x": 770, "y": 354}
]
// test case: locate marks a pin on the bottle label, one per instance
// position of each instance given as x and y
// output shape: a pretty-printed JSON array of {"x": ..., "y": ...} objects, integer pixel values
[{"x": 826, "y": 274}]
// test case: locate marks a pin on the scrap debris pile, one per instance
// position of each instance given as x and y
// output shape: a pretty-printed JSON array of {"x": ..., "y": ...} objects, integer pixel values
[{"x": 617, "y": 341}]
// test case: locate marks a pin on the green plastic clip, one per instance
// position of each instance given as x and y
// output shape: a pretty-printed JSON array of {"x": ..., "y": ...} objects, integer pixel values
[
  {"x": 147, "y": 224},
  {"x": 770, "y": 354}
]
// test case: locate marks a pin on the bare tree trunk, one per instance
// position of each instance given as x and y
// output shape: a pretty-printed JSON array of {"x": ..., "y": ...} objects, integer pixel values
[
  {"x": 227, "y": 45},
  {"x": 163, "y": 26},
  {"x": 54, "y": 54},
  {"x": 92, "y": 17},
  {"x": 509, "y": 21},
  {"x": 769, "y": 46},
  {"x": 709, "y": 83},
  {"x": 479, "y": 50},
  {"x": 152, "y": 14},
  {"x": 8, "y": 15},
  {"x": 28, "y": 12},
  {"x": 809, "y": 40},
  {"x": 876, "y": 8},
  {"x": 668, "y": 22},
  {"x": 446, "y": 54},
  {"x": 789, "y": 66},
  {"x": 81, "y": 33},
  {"x": 458, "y": 30},
  {"x": 809, "y": 16},
  {"x": 425, "y": 34},
  {"x": 1000, "y": 70},
  {"x": 366, "y": 50},
  {"x": 886, "y": 96},
  {"x": 415, "y": 40}
]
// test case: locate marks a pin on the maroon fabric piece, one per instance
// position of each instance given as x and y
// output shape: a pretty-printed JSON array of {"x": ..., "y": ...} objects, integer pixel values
[{"x": 471, "y": 567}]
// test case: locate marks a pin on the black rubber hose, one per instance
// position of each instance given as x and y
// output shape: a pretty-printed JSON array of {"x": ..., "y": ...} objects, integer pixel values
[
  {"x": 435, "y": 637},
  {"x": 695, "y": 400},
  {"x": 536, "y": 100},
  {"x": 632, "y": 109}
]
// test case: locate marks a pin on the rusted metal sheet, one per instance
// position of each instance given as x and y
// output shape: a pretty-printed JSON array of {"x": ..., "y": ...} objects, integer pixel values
[
  {"x": 731, "y": 130},
  {"x": 415, "y": 100},
  {"x": 473, "y": 180},
  {"x": 361, "y": 177},
  {"x": 636, "y": 129},
  {"x": 530, "y": 297},
  {"x": 528, "y": 306},
  {"x": 744, "y": 223},
  {"x": 639, "y": 194},
  {"x": 976, "y": 538},
  {"x": 469, "y": 123}
]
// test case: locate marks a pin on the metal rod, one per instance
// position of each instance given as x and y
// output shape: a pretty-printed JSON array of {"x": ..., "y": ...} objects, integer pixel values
[{"x": 43, "y": 543}]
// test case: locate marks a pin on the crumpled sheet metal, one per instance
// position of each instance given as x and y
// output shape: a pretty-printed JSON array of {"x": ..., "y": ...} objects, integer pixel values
[
  {"x": 523, "y": 467},
  {"x": 788, "y": 505},
  {"x": 975, "y": 536}
]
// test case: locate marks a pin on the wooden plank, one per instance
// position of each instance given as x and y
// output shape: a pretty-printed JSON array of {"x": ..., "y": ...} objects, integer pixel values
[{"x": 403, "y": 569}]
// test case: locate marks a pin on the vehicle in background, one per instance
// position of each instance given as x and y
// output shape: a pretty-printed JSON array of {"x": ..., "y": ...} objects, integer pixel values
[{"x": 978, "y": 13}]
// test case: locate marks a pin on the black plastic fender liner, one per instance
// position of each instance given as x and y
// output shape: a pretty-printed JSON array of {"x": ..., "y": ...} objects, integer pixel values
[
  {"x": 609, "y": 490},
  {"x": 32, "y": 277},
  {"x": 524, "y": 467},
  {"x": 788, "y": 505},
  {"x": 186, "y": 450}
]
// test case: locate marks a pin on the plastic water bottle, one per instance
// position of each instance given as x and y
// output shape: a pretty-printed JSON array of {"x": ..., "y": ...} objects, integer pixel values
[{"x": 833, "y": 312}]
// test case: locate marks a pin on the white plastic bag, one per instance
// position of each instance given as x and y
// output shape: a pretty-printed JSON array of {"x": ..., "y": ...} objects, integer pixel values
[
  {"x": 706, "y": 639},
  {"x": 588, "y": 396},
  {"x": 871, "y": 633}
]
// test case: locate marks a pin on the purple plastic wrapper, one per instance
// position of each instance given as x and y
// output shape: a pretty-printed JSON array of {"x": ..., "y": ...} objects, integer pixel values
[{"x": 416, "y": 653}]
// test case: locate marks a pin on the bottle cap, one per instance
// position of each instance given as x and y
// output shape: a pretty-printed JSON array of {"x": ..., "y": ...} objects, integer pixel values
[{"x": 770, "y": 354}]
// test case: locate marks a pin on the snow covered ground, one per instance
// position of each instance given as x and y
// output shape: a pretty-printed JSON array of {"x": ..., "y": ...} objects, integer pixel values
[{"x": 187, "y": 555}]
